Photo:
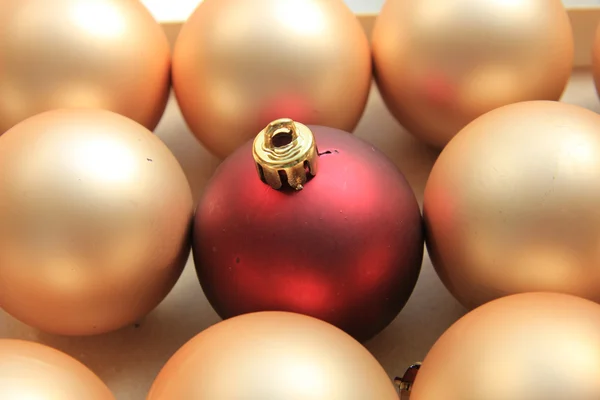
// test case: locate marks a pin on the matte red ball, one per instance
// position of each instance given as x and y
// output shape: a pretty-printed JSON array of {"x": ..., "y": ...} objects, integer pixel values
[{"x": 346, "y": 249}]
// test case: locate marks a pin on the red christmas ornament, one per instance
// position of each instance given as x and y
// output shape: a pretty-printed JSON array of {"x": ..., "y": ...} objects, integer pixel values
[{"x": 335, "y": 234}]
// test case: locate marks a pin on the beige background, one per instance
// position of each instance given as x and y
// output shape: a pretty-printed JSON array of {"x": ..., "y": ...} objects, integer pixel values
[
  {"x": 178, "y": 9},
  {"x": 129, "y": 360}
]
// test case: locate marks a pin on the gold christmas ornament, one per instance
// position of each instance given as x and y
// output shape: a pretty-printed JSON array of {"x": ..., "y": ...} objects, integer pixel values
[
  {"x": 95, "y": 215},
  {"x": 108, "y": 54},
  {"x": 596, "y": 59},
  {"x": 440, "y": 64},
  {"x": 31, "y": 371},
  {"x": 510, "y": 205},
  {"x": 272, "y": 356},
  {"x": 523, "y": 347},
  {"x": 308, "y": 60}
]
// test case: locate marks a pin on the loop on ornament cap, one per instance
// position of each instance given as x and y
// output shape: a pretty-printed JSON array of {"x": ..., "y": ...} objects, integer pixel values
[
  {"x": 285, "y": 151},
  {"x": 406, "y": 382}
]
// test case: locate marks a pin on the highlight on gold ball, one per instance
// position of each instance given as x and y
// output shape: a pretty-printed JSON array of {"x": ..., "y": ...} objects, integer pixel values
[
  {"x": 108, "y": 54},
  {"x": 509, "y": 204},
  {"x": 96, "y": 216},
  {"x": 272, "y": 355},
  {"x": 31, "y": 371},
  {"x": 440, "y": 64},
  {"x": 521, "y": 347},
  {"x": 232, "y": 78}
]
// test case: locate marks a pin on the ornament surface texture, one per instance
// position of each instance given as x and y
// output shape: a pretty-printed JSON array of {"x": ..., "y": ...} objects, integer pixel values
[
  {"x": 272, "y": 356},
  {"x": 32, "y": 371},
  {"x": 237, "y": 65},
  {"x": 511, "y": 204},
  {"x": 346, "y": 248},
  {"x": 108, "y": 54},
  {"x": 440, "y": 64},
  {"x": 96, "y": 221},
  {"x": 522, "y": 347}
]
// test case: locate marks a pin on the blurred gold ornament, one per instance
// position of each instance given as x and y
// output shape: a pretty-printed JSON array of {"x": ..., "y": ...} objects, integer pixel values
[
  {"x": 95, "y": 215},
  {"x": 596, "y": 59},
  {"x": 511, "y": 204},
  {"x": 108, "y": 54},
  {"x": 523, "y": 347},
  {"x": 31, "y": 371},
  {"x": 272, "y": 356},
  {"x": 442, "y": 63},
  {"x": 238, "y": 65}
]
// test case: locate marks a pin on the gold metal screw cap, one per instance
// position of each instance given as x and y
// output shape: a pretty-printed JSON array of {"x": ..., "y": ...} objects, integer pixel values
[
  {"x": 285, "y": 151},
  {"x": 405, "y": 383}
]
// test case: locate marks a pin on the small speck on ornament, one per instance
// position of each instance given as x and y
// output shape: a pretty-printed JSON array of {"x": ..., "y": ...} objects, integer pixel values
[{"x": 328, "y": 152}]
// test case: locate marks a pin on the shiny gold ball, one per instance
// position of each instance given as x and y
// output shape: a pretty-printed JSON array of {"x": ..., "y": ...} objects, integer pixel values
[
  {"x": 272, "y": 356},
  {"x": 95, "y": 215},
  {"x": 31, "y": 371},
  {"x": 238, "y": 65},
  {"x": 108, "y": 54},
  {"x": 510, "y": 205},
  {"x": 535, "y": 346},
  {"x": 440, "y": 64}
]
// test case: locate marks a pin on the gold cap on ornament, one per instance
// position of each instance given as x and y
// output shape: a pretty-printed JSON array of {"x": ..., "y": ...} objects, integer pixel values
[
  {"x": 285, "y": 151},
  {"x": 405, "y": 383}
]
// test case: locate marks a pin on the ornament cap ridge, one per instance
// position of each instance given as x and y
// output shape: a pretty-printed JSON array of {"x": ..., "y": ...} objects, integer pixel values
[
  {"x": 285, "y": 151},
  {"x": 405, "y": 383}
]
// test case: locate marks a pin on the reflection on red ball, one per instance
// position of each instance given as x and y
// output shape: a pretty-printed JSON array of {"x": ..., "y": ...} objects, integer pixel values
[{"x": 346, "y": 249}]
